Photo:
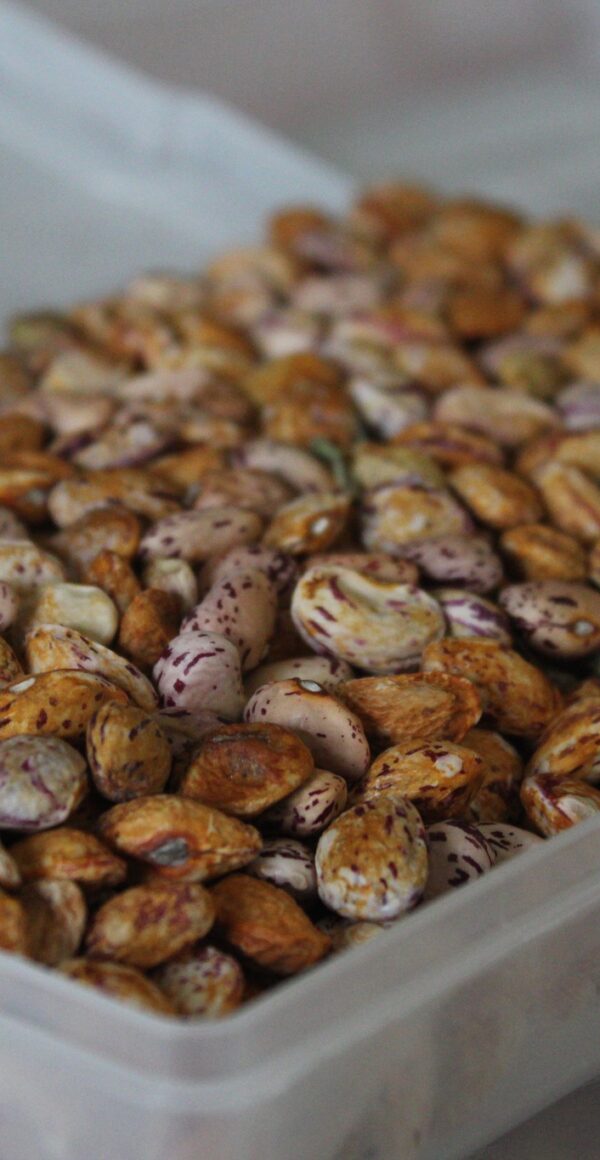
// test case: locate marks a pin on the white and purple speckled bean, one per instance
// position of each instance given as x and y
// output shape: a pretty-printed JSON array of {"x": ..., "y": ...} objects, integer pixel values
[
  {"x": 559, "y": 618},
  {"x": 204, "y": 983},
  {"x": 297, "y": 467},
  {"x": 9, "y": 605},
  {"x": 375, "y": 625},
  {"x": 127, "y": 446},
  {"x": 387, "y": 410},
  {"x": 371, "y": 862},
  {"x": 54, "y": 646},
  {"x": 506, "y": 841},
  {"x": 42, "y": 780},
  {"x": 173, "y": 575},
  {"x": 457, "y": 559},
  {"x": 23, "y": 564},
  {"x": 469, "y": 614},
  {"x": 458, "y": 853},
  {"x": 287, "y": 863},
  {"x": 311, "y": 808},
  {"x": 279, "y": 568},
  {"x": 201, "y": 670},
  {"x": 196, "y": 536},
  {"x": 241, "y": 606},
  {"x": 334, "y": 735},
  {"x": 328, "y": 672}
]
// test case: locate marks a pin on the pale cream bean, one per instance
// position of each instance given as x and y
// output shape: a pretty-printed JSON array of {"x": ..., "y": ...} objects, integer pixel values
[
  {"x": 328, "y": 672},
  {"x": 173, "y": 575},
  {"x": 81, "y": 606},
  {"x": 311, "y": 808},
  {"x": 557, "y": 618},
  {"x": 372, "y": 862},
  {"x": 196, "y": 536},
  {"x": 378, "y": 626},
  {"x": 241, "y": 606},
  {"x": 201, "y": 670},
  {"x": 331, "y": 731}
]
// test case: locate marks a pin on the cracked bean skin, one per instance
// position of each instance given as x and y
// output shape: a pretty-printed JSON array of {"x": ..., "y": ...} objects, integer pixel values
[
  {"x": 42, "y": 780},
  {"x": 197, "y": 535},
  {"x": 201, "y": 670},
  {"x": 70, "y": 855},
  {"x": 203, "y": 983},
  {"x": 517, "y": 697},
  {"x": 408, "y": 707},
  {"x": 470, "y": 614},
  {"x": 51, "y": 647},
  {"x": 54, "y": 703},
  {"x": 128, "y": 755},
  {"x": 458, "y": 853},
  {"x": 181, "y": 839},
  {"x": 371, "y": 624},
  {"x": 244, "y": 769},
  {"x": 457, "y": 560},
  {"x": 13, "y": 925},
  {"x": 289, "y": 864},
  {"x": 505, "y": 841},
  {"x": 81, "y": 606},
  {"x": 496, "y": 800},
  {"x": 146, "y": 925},
  {"x": 371, "y": 862},
  {"x": 266, "y": 925},
  {"x": 148, "y": 625},
  {"x": 23, "y": 565},
  {"x": 11, "y": 669},
  {"x": 311, "y": 808},
  {"x": 538, "y": 552},
  {"x": 396, "y": 514},
  {"x": 328, "y": 672},
  {"x": 117, "y": 981},
  {"x": 557, "y": 618},
  {"x": 242, "y": 607},
  {"x": 439, "y": 778},
  {"x": 56, "y": 916},
  {"x": 174, "y": 576},
  {"x": 311, "y": 523},
  {"x": 496, "y": 497},
  {"x": 333, "y": 733}
]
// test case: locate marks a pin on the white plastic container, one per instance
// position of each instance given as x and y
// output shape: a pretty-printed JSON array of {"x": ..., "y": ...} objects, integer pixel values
[{"x": 422, "y": 1045}]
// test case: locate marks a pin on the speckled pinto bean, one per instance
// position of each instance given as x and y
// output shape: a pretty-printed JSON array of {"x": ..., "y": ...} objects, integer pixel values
[
  {"x": 515, "y": 695},
  {"x": 54, "y": 703},
  {"x": 553, "y": 803},
  {"x": 127, "y": 752},
  {"x": 507, "y": 417},
  {"x": 333, "y": 733},
  {"x": 81, "y": 606},
  {"x": 413, "y": 706},
  {"x": 244, "y": 769},
  {"x": 378, "y": 565},
  {"x": 242, "y": 607},
  {"x": 267, "y": 925},
  {"x": 196, "y": 536},
  {"x": 458, "y": 853},
  {"x": 301, "y": 470},
  {"x": 148, "y": 625},
  {"x": 116, "y": 981},
  {"x": 558, "y": 618},
  {"x": 310, "y": 809},
  {"x": 56, "y": 916},
  {"x": 328, "y": 672},
  {"x": 505, "y": 841},
  {"x": 23, "y": 565},
  {"x": 113, "y": 528},
  {"x": 469, "y": 614},
  {"x": 203, "y": 983},
  {"x": 289, "y": 864},
  {"x": 371, "y": 862},
  {"x": 54, "y": 647},
  {"x": 201, "y": 670},
  {"x": 13, "y": 926},
  {"x": 311, "y": 523},
  {"x": 372, "y": 624},
  {"x": 538, "y": 552},
  {"x": 280, "y": 569},
  {"x": 468, "y": 560},
  {"x": 496, "y": 497},
  {"x": 439, "y": 778},
  {"x": 374, "y": 464},
  {"x": 68, "y": 854},
  {"x": 145, "y": 925},
  {"x": 42, "y": 780},
  {"x": 396, "y": 514},
  {"x": 496, "y": 799},
  {"x": 570, "y": 746},
  {"x": 180, "y": 838}
]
